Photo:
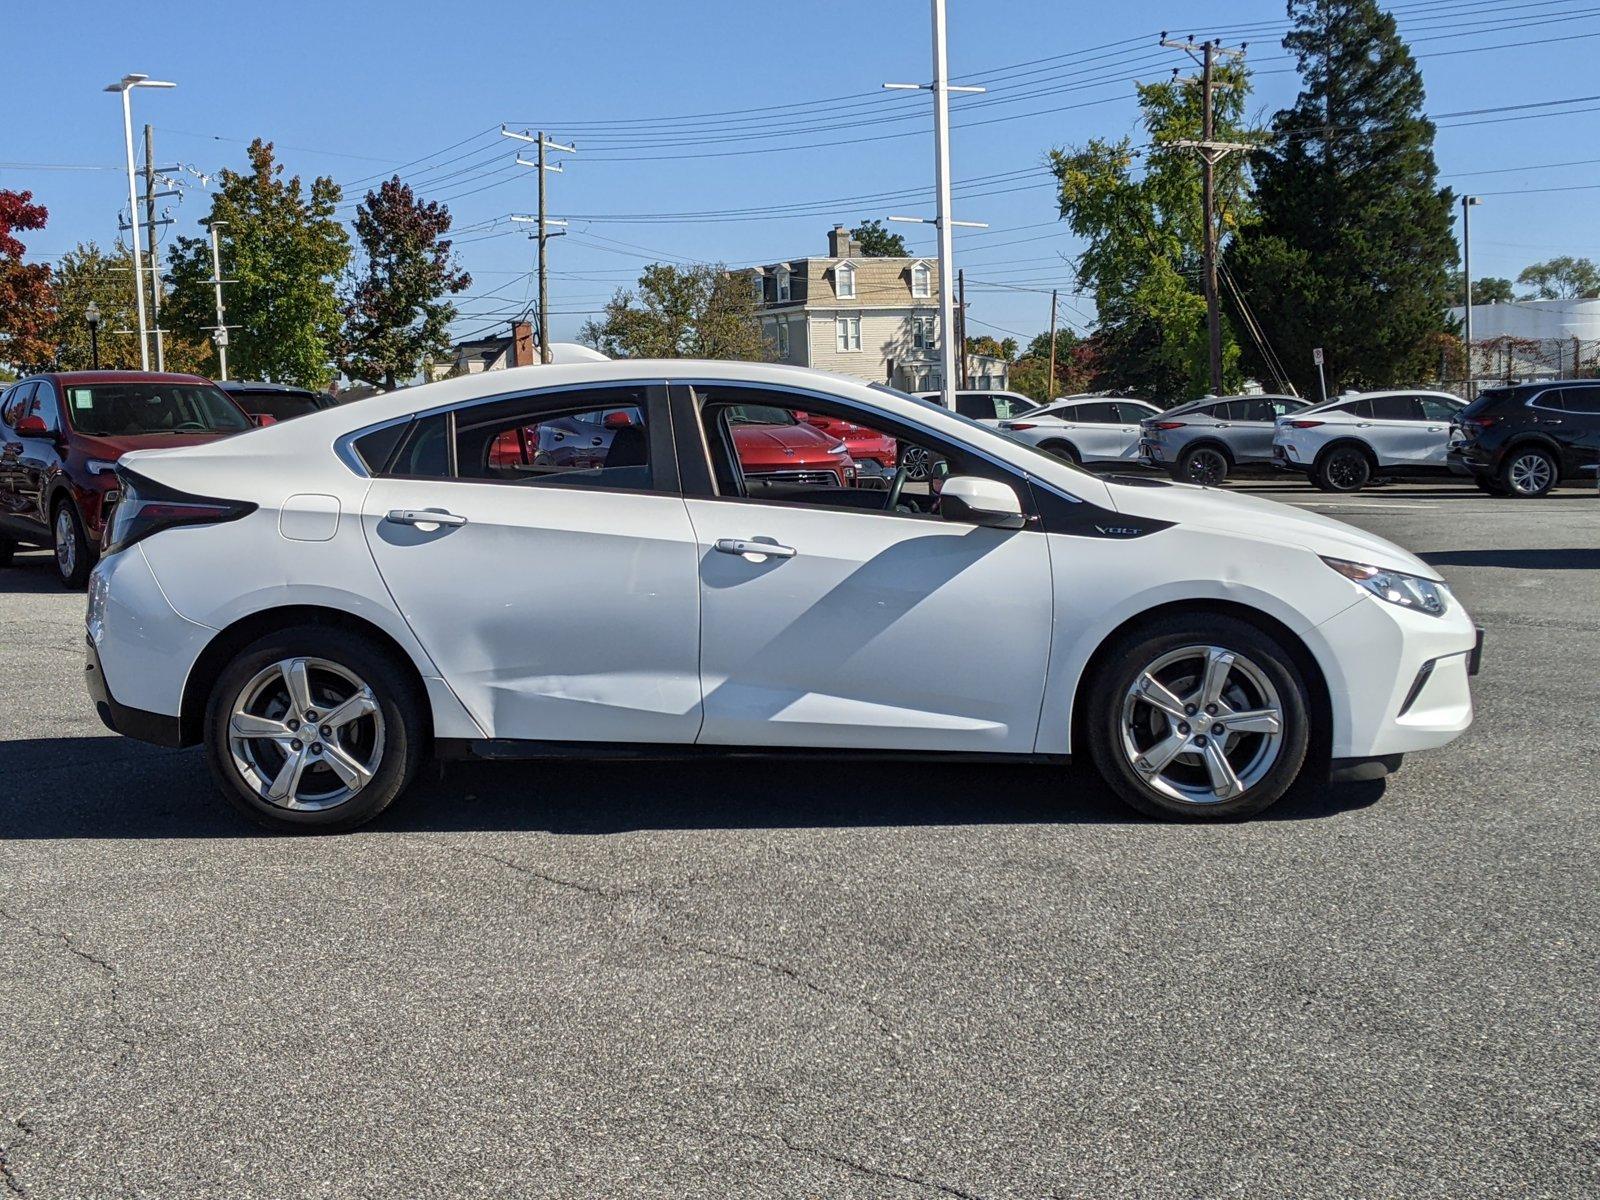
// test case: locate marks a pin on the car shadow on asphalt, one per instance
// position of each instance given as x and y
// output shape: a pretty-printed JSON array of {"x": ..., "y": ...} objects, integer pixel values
[
  {"x": 105, "y": 787},
  {"x": 30, "y": 572},
  {"x": 1583, "y": 558}
]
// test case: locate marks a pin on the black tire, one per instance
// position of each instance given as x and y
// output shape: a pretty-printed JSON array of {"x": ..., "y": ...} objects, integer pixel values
[
  {"x": 1106, "y": 696},
  {"x": 7, "y": 549},
  {"x": 1345, "y": 468},
  {"x": 1207, "y": 466},
  {"x": 1528, "y": 472},
  {"x": 1489, "y": 484},
  {"x": 1065, "y": 451},
  {"x": 403, "y": 728},
  {"x": 74, "y": 555}
]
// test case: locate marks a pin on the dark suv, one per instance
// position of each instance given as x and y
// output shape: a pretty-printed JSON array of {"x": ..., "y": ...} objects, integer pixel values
[
  {"x": 1523, "y": 439},
  {"x": 60, "y": 438}
]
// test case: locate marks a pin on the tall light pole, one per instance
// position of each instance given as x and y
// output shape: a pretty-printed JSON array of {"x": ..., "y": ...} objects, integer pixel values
[
  {"x": 125, "y": 85},
  {"x": 1467, "y": 203},
  {"x": 941, "y": 89},
  {"x": 91, "y": 317}
]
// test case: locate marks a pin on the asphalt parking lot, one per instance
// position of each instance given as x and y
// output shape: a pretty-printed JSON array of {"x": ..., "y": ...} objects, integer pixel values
[{"x": 780, "y": 980}]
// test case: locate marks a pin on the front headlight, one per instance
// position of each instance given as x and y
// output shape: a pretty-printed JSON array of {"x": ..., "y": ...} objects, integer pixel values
[
  {"x": 1395, "y": 587},
  {"x": 838, "y": 448}
]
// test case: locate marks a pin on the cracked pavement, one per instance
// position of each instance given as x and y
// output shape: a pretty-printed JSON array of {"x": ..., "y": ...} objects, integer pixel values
[{"x": 793, "y": 980}]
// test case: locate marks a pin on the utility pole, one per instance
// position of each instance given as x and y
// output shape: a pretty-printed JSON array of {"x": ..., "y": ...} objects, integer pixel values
[
  {"x": 1212, "y": 152},
  {"x": 1050, "y": 387},
  {"x": 961, "y": 326},
  {"x": 543, "y": 221},
  {"x": 219, "y": 332},
  {"x": 941, "y": 89},
  {"x": 1467, "y": 203}
]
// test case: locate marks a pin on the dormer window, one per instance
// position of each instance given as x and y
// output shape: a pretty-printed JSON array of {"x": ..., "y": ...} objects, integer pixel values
[
  {"x": 921, "y": 280},
  {"x": 783, "y": 284},
  {"x": 844, "y": 281},
  {"x": 758, "y": 285}
]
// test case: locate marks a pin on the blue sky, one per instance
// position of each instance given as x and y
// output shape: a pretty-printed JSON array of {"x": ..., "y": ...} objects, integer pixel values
[{"x": 355, "y": 90}]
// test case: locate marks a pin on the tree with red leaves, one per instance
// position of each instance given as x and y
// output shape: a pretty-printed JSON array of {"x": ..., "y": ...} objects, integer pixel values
[
  {"x": 26, "y": 301},
  {"x": 396, "y": 315}
]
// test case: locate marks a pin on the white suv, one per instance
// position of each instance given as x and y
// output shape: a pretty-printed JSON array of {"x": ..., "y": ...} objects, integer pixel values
[
  {"x": 1342, "y": 444},
  {"x": 1092, "y": 429}
]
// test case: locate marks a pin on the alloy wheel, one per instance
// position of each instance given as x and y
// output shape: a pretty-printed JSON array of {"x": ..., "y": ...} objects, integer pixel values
[
  {"x": 1348, "y": 470},
  {"x": 917, "y": 461},
  {"x": 1202, "y": 725},
  {"x": 306, "y": 734},
  {"x": 1206, "y": 467},
  {"x": 1530, "y": 474},
  {"x": 66, "y": 543}
]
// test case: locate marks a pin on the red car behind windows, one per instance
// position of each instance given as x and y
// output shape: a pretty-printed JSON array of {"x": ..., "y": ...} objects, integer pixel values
[
  {"x": 865, "y": 445},
  {"x": 61, "y": 435},
  {"x": 773, "y": 445}
]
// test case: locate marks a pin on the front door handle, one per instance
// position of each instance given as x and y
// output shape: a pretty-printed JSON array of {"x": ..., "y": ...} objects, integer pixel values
[
  {"x": 766, "y": 549},
  {"x": 424, "y": 516}
]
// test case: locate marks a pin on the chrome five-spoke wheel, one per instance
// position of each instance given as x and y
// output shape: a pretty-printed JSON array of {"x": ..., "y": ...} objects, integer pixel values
[
  {"x": 1202, "y": 724},
  {"x": 306, "y": 734}
]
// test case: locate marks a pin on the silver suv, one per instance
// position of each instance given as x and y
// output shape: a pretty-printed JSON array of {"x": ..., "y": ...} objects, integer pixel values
[{"x": 1204, "y": 441}]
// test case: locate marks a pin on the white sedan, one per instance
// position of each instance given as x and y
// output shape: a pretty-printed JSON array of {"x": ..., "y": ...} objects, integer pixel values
[
  {"x": 1088, "y": 429},
  {"x": 325, "y": 603}
]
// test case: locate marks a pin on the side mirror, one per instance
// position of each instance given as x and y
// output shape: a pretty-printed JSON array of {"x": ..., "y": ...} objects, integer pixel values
[
  {"x": 979, "y": 501},
  {"x": 32, "y": 425}
]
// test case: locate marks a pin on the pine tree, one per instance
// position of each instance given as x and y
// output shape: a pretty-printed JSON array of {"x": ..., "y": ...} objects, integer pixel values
[
  {"x": 396, "y": 315},
  {"x": 1352, "y": 245}
]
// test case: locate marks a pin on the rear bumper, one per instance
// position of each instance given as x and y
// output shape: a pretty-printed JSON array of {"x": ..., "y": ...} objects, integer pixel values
[
  {"x": 138, "y": 723},
  {"x": 1285, "y": 459}
]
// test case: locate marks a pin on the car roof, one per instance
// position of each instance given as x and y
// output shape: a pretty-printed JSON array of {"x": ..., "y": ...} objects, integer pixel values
[
  {"x": 82, "y": 378},
  {"x": 1347, "y": 397},
  {"x": 246, "y": 385}
]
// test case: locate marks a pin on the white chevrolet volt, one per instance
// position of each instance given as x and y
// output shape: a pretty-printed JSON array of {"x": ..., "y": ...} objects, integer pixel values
[{"x": 574, "y": 560}]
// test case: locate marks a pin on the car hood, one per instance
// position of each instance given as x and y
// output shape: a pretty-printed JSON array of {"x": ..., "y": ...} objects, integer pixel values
[
  {"x": 1251, "y": 516},
  {"x": 112, "y": 447},
  {"x": 778, "y": 443}
]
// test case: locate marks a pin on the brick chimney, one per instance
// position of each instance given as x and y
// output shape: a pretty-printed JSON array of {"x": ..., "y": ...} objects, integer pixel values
[
  {"x": 522, "y": 354},
  {"x": 839, "y": 243}
]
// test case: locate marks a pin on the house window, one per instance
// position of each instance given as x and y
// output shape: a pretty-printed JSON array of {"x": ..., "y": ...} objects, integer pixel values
[
  {"x": 844, "y": 281},
  {"x": 847, "y": 333},
  {"x": 921, "y": 280},
  {"x": 759, "y": 286},
  {"x": 922, "y": 333},
  {"x": 783, "y": 339},
  {"x": 783, "y": 284}
]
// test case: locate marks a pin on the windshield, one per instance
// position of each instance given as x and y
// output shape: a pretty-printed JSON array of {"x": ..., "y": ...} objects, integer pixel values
[
  {"x": 759, "y": 414},
  {"x": 124, "y": 409}
]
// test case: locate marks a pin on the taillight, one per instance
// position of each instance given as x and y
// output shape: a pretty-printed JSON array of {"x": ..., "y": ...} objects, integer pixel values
[
  {"x": 148, "y": 507},
  {"x": 1018, "y": 425},
  {"x": 1166, "y": 424},
  {"x": 1305, "y": 424},
  {"x": 1480, "y": 422}
]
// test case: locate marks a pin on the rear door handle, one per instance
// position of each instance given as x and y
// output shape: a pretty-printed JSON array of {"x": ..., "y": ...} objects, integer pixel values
[
  {"x": 424, "y": 516},
  {"x": 742, "y": 546}
]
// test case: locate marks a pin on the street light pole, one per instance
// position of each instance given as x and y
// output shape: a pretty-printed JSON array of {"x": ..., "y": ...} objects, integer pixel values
[
  {"x": 125, "y": 85},
  {"x": 91, "y": 316},
  {"x": 219, "y": 335},
  {"x": 1467, "y": 203}
]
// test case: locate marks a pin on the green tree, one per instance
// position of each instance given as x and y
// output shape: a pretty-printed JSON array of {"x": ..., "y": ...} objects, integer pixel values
[
  {"x": 284, "y": 253},
  {"x": 1564, "y": 278},
  {"x": 1490, "y": 289},
  {"x": 700, "y": 311},
  {"x": 26, "y": 302},
  {"x": 396, "y": 316},
  {"x": 1141, "y": 214},
  {"x": 88, "y": 274},
  {"x": 995, "y": 348},
  {"x": 876, "y": 241},
  {"x": 1353, "y": 245}
]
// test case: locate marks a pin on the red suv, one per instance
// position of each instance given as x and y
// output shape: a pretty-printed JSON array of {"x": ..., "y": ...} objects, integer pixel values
[{"x": 61, "y": 435}]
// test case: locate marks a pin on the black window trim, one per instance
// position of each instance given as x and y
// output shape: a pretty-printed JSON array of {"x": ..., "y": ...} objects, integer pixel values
[
  {"x": 664, "y": 482},
  {"x": 1575, "y": 385}
]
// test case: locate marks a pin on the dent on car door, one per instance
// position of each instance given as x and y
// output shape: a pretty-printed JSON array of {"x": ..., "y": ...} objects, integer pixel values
[
  {"x": 837, "y": 627},
  {"x": 557, "y": 597}
]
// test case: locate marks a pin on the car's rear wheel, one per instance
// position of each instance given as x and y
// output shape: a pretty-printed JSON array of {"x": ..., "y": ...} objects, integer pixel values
[
  {"x": 1205, "y": 465},
  {"x": 1201, "y": 719},
  {"x": 1065, "y": 451},
  {"x": 7, "y": 549},
  {"x": 74, "y": 557},
  {"x": 1528, "y": 473},
  {"x": 1490, "y": 484},
  {"x": 1342, "y": 469},
  {"x": 313, "y": 728}
]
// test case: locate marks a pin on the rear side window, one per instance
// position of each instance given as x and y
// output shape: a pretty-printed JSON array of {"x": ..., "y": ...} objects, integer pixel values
[
  {"x": 979, "y": 408},
  {"x": 16, "y": 405},
  {"x": 1356, "y": 408},
  {"x": 1096, "y": 414},
  {"x": 575, "y": 447},
  {"x": 1396, "y": 408},
  {"x": 1581, "y": 399},
  {"x": 1251, "y": 410}
]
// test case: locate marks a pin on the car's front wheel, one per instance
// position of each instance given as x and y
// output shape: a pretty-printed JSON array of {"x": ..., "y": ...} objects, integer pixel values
[
  {"x": 1205, "y": 465},
  {"x": 313, "y": 728},
  {"x": 74, "y": 556},
  {"x": 1528, "y": 473},
  {"x": 1201, "y": 719}
]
